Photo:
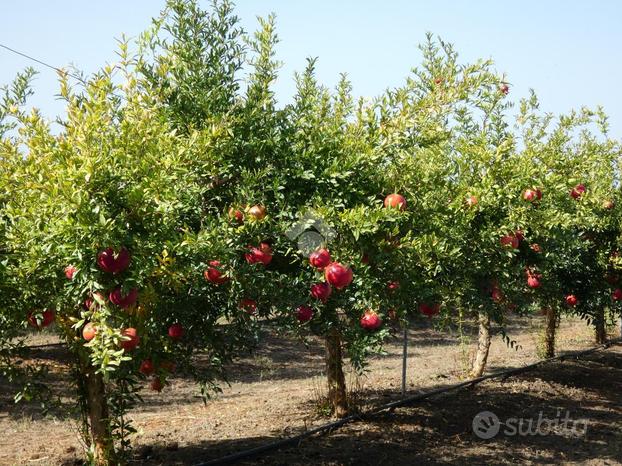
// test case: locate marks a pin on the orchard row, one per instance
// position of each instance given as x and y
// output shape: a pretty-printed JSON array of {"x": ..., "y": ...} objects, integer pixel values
[{"x": 175, "y": 211}]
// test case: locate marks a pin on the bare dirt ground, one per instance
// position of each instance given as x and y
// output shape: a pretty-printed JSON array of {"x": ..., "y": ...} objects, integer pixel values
[{"x": 277, "y": 393}]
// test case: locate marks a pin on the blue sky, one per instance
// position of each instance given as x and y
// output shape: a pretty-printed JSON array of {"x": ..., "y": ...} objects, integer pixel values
[{"x": 570, "y": 51}]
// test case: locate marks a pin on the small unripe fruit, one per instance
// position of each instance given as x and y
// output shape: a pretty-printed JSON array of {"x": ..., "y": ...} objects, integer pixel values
[
  {"x": 257, "y": 212},
  {"x": 89, "y": 331}
]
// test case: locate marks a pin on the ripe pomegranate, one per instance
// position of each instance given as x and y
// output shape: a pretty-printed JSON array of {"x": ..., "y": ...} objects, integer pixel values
[
  {"x": 519, "y": 235},
  {"x": 530, "y": 195},
  {"x": 262, "y": 254},
  {"x": 321, "y": 291},
  {"x": 70, "y": 271},
  {"x": 320, "y": 258},
  {"x": 94, "y": 300},
  {"x": 132, "y": 340},
  {"x": 123, "y": 301},
  {"x": 338, "y": 275},
  {"x": 571, "y": 300},
  {"x": 236, "y": 215},
  {"x": 257, "y": 212},
  {"x": 395, "y": 201},
  {"x": 304, "y": 313},
  {"x": 577, "y": 191},
  {"x": 248, "y": 305},
  {"x": 156, "y": 384},
  {"x": 496, "y": 295},
  {"x": 176, "y": 331},
  {"x": 89, "y": 331},
  {"x": 429, "y": 310},
  {"x": 392, "y": 286},
  {"x": 47, "y": 317},
  {"x": 214, "y": 275},
  {"x": 114, "y": 263},
  {"x": 370, "y": 320},
  {"x": 617, "y": 294},
  {"x": 146, "y": 367},
  {"x": 510, "y": 240},
  {"x": 471, "y": 201},
  {"x": 539, "y": 194},
  {"x": 533, "y": 281}
]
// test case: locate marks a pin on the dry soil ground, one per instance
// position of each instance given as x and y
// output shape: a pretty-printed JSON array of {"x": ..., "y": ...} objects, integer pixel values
[{"x": 276, "y": 393}]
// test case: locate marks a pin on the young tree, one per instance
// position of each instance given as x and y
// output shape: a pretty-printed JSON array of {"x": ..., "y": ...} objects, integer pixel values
[{"x": 101, "y": 228}]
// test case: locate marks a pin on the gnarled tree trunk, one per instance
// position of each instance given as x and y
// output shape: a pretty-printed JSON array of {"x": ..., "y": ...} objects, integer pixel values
[
  {"x": 337, "y": 396},
  {"x": 549, "y": 332},
  {"x": 99, "y": 422},
  {"x": 600, "y": 330},
  {"x": 483, "y": 345}
]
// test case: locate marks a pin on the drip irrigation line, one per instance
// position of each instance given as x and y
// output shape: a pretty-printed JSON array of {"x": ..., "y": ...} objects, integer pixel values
[
  {"x": 391, "y": 406},
  {"x": 45, "y": 345}
]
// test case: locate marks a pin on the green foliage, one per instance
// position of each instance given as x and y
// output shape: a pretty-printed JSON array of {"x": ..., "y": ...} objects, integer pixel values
[{"x": 156, "y": 151}]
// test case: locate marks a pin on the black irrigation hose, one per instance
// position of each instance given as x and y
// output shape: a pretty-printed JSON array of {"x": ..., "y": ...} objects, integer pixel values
[
  {"x": 328, "y": 428},
  {"x": 46, "y": 345}
]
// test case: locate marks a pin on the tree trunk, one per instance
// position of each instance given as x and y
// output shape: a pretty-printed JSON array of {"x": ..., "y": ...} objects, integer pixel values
[
  {"x": 549, "y": 332},
  {"x": 600, "y": 331},
  {"x": 334, "y": 371},
  {"x": 99, "y": 422},
  {"x": 483, "y": 345}
]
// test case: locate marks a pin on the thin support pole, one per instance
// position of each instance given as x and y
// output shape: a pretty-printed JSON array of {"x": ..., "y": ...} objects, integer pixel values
[{"x": 404, "y": 360}]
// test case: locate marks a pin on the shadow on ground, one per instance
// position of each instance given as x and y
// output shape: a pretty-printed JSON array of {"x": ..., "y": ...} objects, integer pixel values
[{"x": 439, "y": 431}]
